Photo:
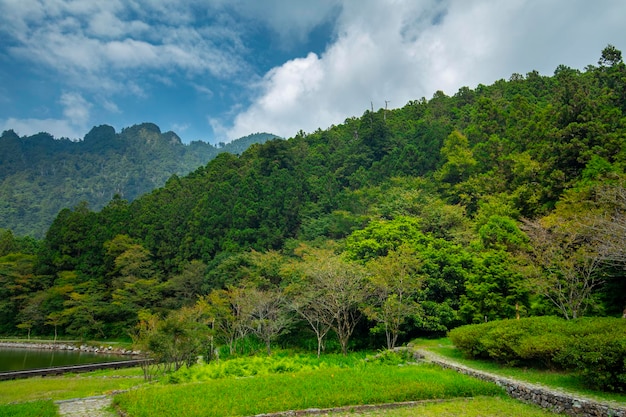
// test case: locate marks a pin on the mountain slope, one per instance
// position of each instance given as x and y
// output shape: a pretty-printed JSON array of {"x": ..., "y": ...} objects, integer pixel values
[{"x": 40, "y": 175}]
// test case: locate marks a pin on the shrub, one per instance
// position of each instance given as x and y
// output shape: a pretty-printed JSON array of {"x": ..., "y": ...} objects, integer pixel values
[
  {"x": 600, "y": 358},
  {"x": 468, "y": 339},
  {"x": 595, "y": 347}
]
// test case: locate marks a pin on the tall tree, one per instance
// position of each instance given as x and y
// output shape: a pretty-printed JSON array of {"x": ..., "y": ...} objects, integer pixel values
[
  {"x": 340, "y": 287},
  {"x": 269, "y": 317},
  {"x": 395, "y": 283},
  {"x": 567, "y": 267}
]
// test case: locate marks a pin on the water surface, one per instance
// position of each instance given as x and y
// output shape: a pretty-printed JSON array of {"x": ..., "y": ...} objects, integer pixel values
[{"x": 14, "y": 359}]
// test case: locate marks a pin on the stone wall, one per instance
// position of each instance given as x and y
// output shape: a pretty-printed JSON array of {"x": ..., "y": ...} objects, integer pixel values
[
  {"x": 553, "y": 400},
  {"x": 69, "y": 346}
]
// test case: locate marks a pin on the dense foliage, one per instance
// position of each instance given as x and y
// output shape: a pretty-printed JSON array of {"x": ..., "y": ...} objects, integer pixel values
[
  {"x": 500, "y": 201},
  {"x": 40, "y": 175},
  {"x": 595, "y": 347}
]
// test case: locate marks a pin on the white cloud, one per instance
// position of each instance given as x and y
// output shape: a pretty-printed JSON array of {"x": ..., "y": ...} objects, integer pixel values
[
  {"x": 380, "y": 50},
  {"x": 73, "y": 125},
  {"x": 75, "y": 108},
  {"x": 93, "y": 44},
  {"x": 56, "y": 127},
  {"x": 404, "y": 50},
  {"x": 292, "y": 20}
]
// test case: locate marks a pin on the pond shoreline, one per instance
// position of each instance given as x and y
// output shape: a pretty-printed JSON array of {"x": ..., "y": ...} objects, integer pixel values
[{"x": 79, "y": 347}]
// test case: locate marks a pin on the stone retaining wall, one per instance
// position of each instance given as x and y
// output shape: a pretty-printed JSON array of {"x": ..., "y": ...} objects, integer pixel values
[
  {"x": 71, "y": 347},
  {"x": 546, "y": 398}
]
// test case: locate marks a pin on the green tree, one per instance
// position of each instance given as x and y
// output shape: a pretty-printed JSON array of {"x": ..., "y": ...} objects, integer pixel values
[
  {"x": 340, "y": 289},
  {"x": 566, "y": 266},
  {"x": 228, "y": 315},
  {"x": 459, "y": 159},
  {"x": 269, "y": 316},
  {"x": 395, "y": 283},
  {"x": 495, "y": 290}
]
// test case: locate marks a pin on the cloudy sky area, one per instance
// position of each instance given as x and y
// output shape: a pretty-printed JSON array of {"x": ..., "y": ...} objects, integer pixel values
[{"x": 216, "y": 70}]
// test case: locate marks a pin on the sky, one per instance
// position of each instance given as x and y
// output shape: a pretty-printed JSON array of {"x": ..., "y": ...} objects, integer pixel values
[{"x": 217, "y": 70}]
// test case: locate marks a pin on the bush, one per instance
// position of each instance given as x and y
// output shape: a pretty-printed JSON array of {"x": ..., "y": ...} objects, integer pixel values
[
  {"x": 600, "y": 358},
  {"x": 468, "y": 339},
  {"x": 594, "y": 347}
]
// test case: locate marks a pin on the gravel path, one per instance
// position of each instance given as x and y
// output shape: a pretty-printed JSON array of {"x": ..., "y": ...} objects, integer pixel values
[{"x": 87, "y": 407}]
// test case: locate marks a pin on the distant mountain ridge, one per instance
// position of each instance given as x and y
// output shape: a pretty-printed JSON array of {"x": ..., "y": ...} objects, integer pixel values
[{"x": 40, "y": 175}]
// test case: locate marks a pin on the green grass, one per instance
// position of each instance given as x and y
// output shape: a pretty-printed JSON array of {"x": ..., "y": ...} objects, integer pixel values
[
  {"x": 30, "y": 409},
  {"x": 466, "y": 407},
  {"x": 565, "y": 381},
  {"x": 69, "y": 386},
  {"x": 322, "y": 388}
]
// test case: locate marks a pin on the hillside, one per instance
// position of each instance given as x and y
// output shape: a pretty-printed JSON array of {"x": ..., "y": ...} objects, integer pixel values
[
  {"x": 40, "y": 175},
  {"x": 477, "y": 206}
]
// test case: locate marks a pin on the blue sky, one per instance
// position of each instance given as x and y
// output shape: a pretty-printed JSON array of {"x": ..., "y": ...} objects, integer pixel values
[{"x": 216, "y": 70}]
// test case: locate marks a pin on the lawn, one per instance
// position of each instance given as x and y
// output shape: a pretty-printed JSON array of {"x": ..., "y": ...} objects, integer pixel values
[
  {"x": 250, "y": 386},
  {"x": 69, "y": 386}
]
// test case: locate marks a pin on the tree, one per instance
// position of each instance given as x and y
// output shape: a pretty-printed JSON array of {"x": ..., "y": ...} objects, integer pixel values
[
  {"x": 565, "y": 266},
  {"x": 304, "y": 301},
  {"x": 55, "y": 319},
  {"x": 269, "y": 316},
  {"x": 177, "y": 340},
  {"x": 611, "y": 56},
  {"x": 395, "y": 283},
  {"x": 460, "y": 162},
  {"x": 495, "y": 289},
  {"x": 83, "y": 311},
  {"x": 186, "y": 286},
  {"x": 340, "y": 290},
  {"x": 228, "y": 314}
]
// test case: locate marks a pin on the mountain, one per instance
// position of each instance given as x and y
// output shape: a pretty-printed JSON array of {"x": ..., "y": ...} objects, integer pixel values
[
  {"x": 40, "y": 175},
  {"x": 500, "y": 200}
]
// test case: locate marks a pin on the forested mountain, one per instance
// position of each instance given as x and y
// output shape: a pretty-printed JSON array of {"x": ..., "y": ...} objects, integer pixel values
[
  {"x": 40, "y": 175},
  {"x": 502, "y": 200}
]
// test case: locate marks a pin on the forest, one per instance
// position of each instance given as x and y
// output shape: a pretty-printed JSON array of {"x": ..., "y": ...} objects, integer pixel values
[
  {"x": 40, "y": 175},
  {"x": 500, "y": 201}
]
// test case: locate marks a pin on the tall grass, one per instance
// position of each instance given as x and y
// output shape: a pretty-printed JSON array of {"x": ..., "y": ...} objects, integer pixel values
[
  {"x": 30, "y": 409},
  {"x": 69, "y": 386},
  {"x": 322, "y": 388}
]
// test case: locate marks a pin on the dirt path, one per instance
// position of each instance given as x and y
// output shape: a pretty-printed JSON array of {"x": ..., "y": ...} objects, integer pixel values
[{"x": 86, "y": 407}]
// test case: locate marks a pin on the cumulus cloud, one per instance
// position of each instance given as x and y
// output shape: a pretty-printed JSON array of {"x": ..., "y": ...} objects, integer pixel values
[
  {"x": 73, "y": 125},
  {"x": 92, "y": 43},
  {"x": 403, "y": 50},
  {"x": 119, "y": 55},
  {"x": 75, "y": 108},
  {"x": 58, "y": 128}
]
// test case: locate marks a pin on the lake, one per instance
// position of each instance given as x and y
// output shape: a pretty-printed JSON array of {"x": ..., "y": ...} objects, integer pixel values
[{"x": 14, "y": 359}]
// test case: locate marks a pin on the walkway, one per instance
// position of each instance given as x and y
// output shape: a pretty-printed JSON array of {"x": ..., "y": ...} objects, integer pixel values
[{"x": 87, "y": 407}]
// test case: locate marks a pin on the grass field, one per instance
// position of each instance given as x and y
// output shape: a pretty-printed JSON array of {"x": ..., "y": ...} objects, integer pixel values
[
  {"x": 69, "y": 386},
  {"x": 255, "y": 385},
  {"x": 30, "y": 409},
  {"x": 322, "y": 388}
]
